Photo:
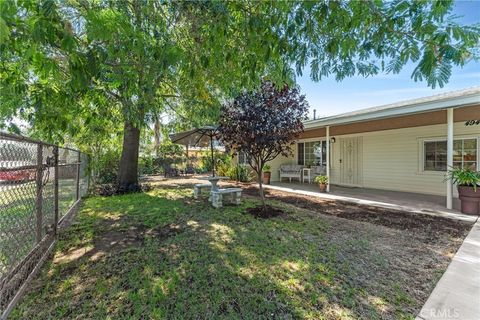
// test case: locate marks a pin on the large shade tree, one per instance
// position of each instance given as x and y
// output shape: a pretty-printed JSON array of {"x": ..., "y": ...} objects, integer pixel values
[
  {"x": 263, "y": 124},
  {"x": 86, "y": 60}
]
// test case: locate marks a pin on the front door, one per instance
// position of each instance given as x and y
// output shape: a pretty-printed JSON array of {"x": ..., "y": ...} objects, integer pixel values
[{"x": 351, "y": 173}]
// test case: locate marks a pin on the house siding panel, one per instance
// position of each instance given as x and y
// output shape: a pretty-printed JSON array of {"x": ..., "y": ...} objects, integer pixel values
[
  {"x": 278, "y": 161},
  {"x": 392, "y": 159}
]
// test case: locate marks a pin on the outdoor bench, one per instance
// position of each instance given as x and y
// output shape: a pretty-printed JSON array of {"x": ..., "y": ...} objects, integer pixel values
[
  {"x": 217, "y": 196},
  {"x": 290, "y": 171},
  {"x": 197, "y": 189}
]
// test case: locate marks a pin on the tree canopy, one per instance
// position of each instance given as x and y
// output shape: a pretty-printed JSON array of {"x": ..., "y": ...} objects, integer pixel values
[
  {"x": 68, "y": 67},
  {"x": 263, "y": 124}
]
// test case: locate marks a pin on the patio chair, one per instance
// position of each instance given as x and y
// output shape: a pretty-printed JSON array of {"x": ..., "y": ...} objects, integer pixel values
[
  {"x": 190, "y": 170},
  {"x": 170, "y": 172},
  {"x": 318, "y": 171}
]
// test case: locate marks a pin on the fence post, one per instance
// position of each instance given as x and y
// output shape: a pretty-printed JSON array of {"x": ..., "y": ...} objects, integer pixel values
[
  {"x": 55, "y": 192},
  {"x": 39, "y": 194},
  {"x": 78, "y": 174}
]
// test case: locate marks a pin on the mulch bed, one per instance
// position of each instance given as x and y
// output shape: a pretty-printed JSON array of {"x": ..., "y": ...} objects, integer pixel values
[
  {"x": 265, "y": 213},
  {"x": 433, "y": 227}
]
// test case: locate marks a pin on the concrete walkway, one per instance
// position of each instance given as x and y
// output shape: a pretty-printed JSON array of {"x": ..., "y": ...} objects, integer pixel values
[
  {"x": 457, "y": 294},
  {"x": 404, "y": 201}
]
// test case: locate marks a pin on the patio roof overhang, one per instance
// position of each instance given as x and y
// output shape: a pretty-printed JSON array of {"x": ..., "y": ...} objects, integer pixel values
[
  {"x": 455, "y": 99},
  {"x": 199, "y": 137}
]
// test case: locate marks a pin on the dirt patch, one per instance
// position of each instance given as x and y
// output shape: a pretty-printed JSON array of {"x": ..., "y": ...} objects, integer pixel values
[
  {"x": 265, "y": 212},
  {"x": 178, "y": 182},
  {"x": 109, "y": 189},
  {"x": 116, "y": 240},
  {"x": 134, "y": 236}
]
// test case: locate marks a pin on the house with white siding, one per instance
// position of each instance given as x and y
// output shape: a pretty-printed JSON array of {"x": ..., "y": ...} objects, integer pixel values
[{"x": 405, "y": 146}]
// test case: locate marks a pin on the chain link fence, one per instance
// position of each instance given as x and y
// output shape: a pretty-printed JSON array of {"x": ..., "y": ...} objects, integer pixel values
[{"x": 40, "y": 185}]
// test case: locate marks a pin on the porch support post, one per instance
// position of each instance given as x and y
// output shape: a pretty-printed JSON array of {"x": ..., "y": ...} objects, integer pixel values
[
  {"x": 328, "y": 157},
  {"x": 449, "y": 155}
]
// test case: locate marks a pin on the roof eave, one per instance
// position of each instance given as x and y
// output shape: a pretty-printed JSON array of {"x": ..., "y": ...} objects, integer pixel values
[{"x": 395, "y": 112}]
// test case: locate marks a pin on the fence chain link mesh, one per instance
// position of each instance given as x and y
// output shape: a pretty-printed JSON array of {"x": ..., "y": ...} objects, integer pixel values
[{"x": 40, "y": 184}]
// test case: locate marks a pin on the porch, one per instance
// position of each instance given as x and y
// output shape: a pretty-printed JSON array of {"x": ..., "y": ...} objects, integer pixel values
[{"x": 406, "y": 201}]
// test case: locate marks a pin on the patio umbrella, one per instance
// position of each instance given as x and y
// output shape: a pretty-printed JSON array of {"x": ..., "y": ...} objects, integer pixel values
[{"x": 201, "y": 137}]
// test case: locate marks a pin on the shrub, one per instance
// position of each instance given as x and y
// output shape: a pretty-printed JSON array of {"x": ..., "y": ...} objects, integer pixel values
[
  {"x": 145, "y": 165},
  {"x": 220, "y": 158},
  {"x": 321, "y": 179},
  {"x": 150, "y": 165},
  {"x": 241, "y": 173},
  {"x": 223, "y": 168},
  {"x": 464, "y": 177},
  {"x": 112, "y": 189},
  {"x": 106, "y": 168}
]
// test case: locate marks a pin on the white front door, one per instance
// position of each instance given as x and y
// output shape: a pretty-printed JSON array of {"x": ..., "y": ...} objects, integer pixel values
[{"x": 351, "y": 173}]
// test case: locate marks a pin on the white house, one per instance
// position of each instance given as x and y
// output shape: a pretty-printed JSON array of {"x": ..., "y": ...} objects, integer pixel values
[{"x": 405, "y": 146}]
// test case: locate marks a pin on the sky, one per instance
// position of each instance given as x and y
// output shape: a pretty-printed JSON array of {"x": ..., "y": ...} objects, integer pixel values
[{"x": 330, "y": 97}]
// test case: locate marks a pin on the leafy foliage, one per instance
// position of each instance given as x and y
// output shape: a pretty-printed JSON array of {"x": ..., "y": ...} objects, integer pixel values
[
  {"x": 464, "y": 177},
  {"x": 228, "y": 168},
  {"x": 221, "y": 159},
  {"x": 263, "y": 124},
  {"x": 71, "y": 68},
  {"x": 321, "y": 179},
  {"x": 345, "y": 38}
]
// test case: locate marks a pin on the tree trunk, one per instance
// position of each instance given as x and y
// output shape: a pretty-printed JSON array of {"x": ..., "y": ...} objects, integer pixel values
[
  {"x": 260, "y": 190},
  {"x": 156, "y": 130},
  {"x": 128, "y": 170}
]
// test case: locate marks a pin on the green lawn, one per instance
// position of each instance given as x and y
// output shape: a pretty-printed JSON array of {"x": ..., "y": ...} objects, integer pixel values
[
  {"x": 162, "y": 255},
  {"x": 18, "y": 217}
]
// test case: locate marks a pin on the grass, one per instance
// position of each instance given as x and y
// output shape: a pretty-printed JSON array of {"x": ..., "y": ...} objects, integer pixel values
[
  {"x": 161, "y": 255},
  {"x": 18, "y": 217}
]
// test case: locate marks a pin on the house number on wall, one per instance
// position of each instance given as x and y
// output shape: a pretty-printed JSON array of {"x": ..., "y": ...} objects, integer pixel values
[{"x": 472, "y": 122}]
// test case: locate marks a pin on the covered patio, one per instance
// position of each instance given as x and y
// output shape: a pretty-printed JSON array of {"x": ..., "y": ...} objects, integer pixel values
[
  {"x": 405, "y": 146},
  {"x": 406, "y": 201}
]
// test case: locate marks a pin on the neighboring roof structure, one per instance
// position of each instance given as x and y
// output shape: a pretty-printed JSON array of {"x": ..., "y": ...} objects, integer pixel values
[{"x": 465, "y": 97}]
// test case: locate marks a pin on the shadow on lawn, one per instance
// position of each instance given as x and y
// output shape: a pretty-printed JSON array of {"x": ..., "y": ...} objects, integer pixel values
[{"x": 163, "y": 255}]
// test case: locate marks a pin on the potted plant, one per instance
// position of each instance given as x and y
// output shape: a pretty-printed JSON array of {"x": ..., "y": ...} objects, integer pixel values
[
  {"x": 266, "y": 174},
  {"x": 322, "y": 182},
  {"x": 468, "y": 182}
]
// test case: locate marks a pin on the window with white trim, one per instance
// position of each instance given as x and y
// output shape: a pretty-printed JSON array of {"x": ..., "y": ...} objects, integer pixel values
[
  {"x": 242, "y": 158},
  {"x": 312, "y": 153},
  {"x": 465, "y": 154}
]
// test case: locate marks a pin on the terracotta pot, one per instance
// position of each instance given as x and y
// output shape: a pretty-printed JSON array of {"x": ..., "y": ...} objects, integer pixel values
[
  {"x": 323, "y": 187},
  {"x": 470, "y": 199},
  {"x": 266, "y": 177}
]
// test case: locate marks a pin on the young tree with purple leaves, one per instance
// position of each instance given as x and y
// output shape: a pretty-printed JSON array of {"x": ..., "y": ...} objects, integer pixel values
[{"x": 263, "y": 124}]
